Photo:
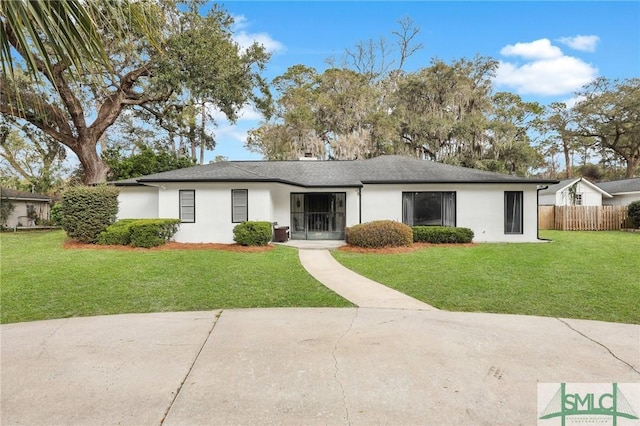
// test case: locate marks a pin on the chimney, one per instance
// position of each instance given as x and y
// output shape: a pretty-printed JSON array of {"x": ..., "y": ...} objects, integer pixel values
[{"x": 307, "y": 157}]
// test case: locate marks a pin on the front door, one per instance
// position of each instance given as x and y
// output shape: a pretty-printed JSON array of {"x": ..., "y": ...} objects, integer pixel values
[{"x": 318, "y": 215}]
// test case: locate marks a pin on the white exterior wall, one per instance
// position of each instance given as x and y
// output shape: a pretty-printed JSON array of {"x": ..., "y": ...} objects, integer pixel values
[
  {"x": 479, "y": 207},
  {"x": 590, "y": 196},
  {"x": 622, "y": 199},
  {"x": 213, "y": 209},
  {"x": 137, "y": 202},
  {"x": 267, "y": 202},
  {"x": 547, "y": 199}
]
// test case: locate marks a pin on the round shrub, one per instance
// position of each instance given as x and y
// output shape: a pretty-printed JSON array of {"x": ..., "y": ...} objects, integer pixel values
[
  {"x": 380, "y": 233},
  {"x": 252, "y": 233},
  {"x": 86, "y": 211},
  {"x": 634, "y": 214}
]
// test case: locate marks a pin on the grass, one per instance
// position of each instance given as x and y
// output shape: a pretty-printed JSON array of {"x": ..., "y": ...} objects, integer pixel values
[
  {"x": 42, "y": 280},
  {"x": 588, "y": 275}
]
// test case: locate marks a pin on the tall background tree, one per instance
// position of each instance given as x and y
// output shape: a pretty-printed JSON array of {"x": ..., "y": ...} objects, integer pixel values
[
  {"x": 341, "y": 113},
  {"x": 608, "y": 117},
  {"x": 32, "y": 160},
  {"x": 444, "y": 112},
  {"x": 192, "y": 60}
]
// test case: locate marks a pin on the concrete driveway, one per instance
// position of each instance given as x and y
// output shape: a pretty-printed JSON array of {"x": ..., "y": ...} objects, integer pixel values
[{"x": 355, "y": 366}]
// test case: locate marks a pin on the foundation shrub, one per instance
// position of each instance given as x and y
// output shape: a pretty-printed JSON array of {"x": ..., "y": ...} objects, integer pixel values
[
  {"x": 257, "y": 233},
  {"x": 442, "y": 235},
  {"x": 117, "y": 234},
  {"x": 140, "y": 232},
  {"x": 380, "y": 233}
]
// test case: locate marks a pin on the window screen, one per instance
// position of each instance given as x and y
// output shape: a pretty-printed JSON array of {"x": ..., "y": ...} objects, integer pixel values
[
  {"x": 239, "y": 205},
  {"x": 187, "y": 205}
]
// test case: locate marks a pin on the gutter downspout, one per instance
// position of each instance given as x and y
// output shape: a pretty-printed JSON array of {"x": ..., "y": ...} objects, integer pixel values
[
  {"x": 540, "y": 188},
  {"x": 360, "y": 205}
]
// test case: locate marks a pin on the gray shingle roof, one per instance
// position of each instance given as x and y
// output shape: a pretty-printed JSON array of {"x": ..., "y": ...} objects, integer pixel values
[
  {"x": 620, "y": 186},
  {"x": 568, "y": 182},
  {"x": 552, "y": 189},
  {"x": 353, "y": 173},
  {"x": 13, "y": 194}
]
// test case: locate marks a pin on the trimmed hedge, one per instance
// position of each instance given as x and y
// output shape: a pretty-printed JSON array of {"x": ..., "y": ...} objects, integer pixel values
[
  {"x": 252, "y": 233},
  {"x": 634, "y": 214},
  {"x": 380, "y": 233},
  {"x": 140, "y": 232},
  {"x": 442, "y": 235},
  {"x": 86, "y": 211},
  {"x": 117, "y": 234}
]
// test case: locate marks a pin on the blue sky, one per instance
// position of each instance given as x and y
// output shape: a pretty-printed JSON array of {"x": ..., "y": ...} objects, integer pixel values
[{"x": 547, "y": 50}]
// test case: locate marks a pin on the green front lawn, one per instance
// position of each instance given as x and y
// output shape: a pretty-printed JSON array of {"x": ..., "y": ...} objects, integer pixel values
[
  {"x": 41, "y": 280},
  {"x": 589, "y": 275}
]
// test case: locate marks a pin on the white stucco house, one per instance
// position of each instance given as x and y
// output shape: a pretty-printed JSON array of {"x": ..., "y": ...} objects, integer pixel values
[
  {"x": 319, "y": 199},
  {"x": 623, "y": 192},
  {"x": 573, "y": 192}
]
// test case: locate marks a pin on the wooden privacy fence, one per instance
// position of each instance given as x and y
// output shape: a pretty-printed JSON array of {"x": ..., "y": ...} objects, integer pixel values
[
  {"x": 546, "y": 217},
  {"x": 582, "y": 218}
]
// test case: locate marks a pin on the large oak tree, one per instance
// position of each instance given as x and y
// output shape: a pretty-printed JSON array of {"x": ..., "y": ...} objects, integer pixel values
[{"x": 192, "y": 57}]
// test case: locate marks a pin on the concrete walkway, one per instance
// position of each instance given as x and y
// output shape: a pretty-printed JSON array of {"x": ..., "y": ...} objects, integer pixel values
[{"x": 357, "y": 289}]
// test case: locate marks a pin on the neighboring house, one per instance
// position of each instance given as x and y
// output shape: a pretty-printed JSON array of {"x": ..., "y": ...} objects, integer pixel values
[
  {"x": 573, "y": 192},
  {"x": 319, "y": 199},
  {"x": 624, "y": 191},
  {"x": 27, "y": 207}
]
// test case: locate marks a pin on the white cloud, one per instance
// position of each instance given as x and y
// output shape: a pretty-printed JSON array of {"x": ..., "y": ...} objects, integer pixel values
[
  {"x": 547, "y": 71},
  {"x": 539, "y": 49},
  {"x": 585, "y": 43},
  {"x": 246, "y": 113},
  {"x": 571, "y": 102},
  {"x": 230, "y": 138},
  {"x": 230, "y": 132},
  {"x": 239, "y": 22},
  {"x": 246, "y": 39}
]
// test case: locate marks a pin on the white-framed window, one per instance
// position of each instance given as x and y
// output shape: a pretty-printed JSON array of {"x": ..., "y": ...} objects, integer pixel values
[
  {"x": 429, "y": 208},
  {"x": 239, "y": 205},
  {"x": 513, "y": 212},
  {"x": 577, "y": 200},
  {"x": 187, "y": 205}
]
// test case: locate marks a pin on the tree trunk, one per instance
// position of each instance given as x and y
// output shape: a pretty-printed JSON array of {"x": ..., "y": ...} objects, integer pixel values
[
  {"x": 567, "y": 161},
  {"x": 202, "y": 136},
  {"x": 94, "y": 169},
  {"x": 632, "y": 164}
]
